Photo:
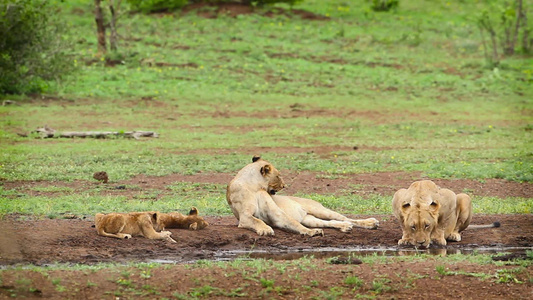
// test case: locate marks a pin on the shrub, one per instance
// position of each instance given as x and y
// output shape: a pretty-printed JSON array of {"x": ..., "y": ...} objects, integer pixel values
[
  {"x": 148, "y": 6},
  {"x": 503, "y": 24},
  {"x": 265, "y": 2},
  {"x": 32, "y": 50},
  {"x": 384, "y": 5}
]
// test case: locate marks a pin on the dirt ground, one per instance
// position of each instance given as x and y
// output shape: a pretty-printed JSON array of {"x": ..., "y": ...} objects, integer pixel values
[
  {"x": 75, "y": 241},
  {"x": 26, "y": 240}
]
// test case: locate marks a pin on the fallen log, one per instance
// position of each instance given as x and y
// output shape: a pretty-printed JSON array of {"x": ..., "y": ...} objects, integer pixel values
[{"x": 47, "y": 132}]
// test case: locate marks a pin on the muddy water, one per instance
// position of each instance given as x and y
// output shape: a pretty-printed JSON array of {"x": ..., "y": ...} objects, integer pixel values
[{"x": 349, "y": 252}]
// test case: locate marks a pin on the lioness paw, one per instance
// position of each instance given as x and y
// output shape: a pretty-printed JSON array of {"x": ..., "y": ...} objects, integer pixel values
[
  {"x": 455, "y": 237},
  {"x": 166, "y": 233},
  {"x": 265, "y": 231},
  {"x": 439, "y": 242},
  {"x": 313, "y": 232},
  {"x": 193, "y": 226},
  {"x": 127, "y": 236},
  {"x": 346, "y": 227},
  {"x": 404, "y": 242}
]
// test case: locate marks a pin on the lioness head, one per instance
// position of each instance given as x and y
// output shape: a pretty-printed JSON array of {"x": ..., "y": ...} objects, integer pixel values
[
  {"x": 419, "y": 221},
  {"x": 271, "y": 175}
]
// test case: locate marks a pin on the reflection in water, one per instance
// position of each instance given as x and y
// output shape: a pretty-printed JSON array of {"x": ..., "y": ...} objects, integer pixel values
[
  {"x": 351, "y": 252},
  {"x": 328, "y": 253}
]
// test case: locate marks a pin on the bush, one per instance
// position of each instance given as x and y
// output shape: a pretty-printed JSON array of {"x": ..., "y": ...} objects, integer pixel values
[
  {"x": 384, "y": 5},
  {"x": 264, "y": 2},
  {"x": 148, "y": 6},
  {"x": 32, "y": 50}
]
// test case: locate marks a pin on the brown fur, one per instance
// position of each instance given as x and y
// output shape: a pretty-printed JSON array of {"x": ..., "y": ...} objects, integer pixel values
[
  {"x": 430, "y": 214},
  {"x": 177, "y": 220},
  {"x": 126, "y": 225}
]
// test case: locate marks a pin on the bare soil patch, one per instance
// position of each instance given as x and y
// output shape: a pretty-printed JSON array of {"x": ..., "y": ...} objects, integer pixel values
[
  {"x": 75, "y": 241},
  {"x": 26, "y": 240},
  {"x": 383, "y": 183}
]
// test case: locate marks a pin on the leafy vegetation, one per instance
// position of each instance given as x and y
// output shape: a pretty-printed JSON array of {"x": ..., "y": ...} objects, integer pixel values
[
  {"x": 406, "y": 90},
  {"x": 156, "y": 5},
  {"x": 32, "y": 48}
]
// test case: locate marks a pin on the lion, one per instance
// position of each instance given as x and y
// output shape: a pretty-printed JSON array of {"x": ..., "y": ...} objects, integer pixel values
[
  {"x": 126, "y": 225},
  {"x": 176, "y": 220},
  {"x": 253, "y": 200},
  {"x": 430, "y": 214}
]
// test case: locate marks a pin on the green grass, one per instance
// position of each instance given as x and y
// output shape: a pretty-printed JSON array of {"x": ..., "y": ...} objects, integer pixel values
[
  {"x": 260, "y": 277},
  {"x": 410, "y": 89},
  {"x": 210, "y": 199}
]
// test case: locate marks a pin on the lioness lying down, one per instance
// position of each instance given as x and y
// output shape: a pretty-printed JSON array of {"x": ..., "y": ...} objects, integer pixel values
[
  {"x": 126, "y": 225},
  {"x": 428, "y": 213},
  {"x": 251, "y": 196}
]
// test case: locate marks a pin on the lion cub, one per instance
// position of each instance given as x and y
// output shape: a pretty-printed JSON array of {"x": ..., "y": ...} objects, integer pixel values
[
  {"x": 126, "y": 225},
  {"x": 177, "y": 220}
]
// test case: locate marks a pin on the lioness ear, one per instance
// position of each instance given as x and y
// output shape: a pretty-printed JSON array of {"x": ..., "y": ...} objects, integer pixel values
[
  {"x": 256, "y": 158},
  {"x": 406, "y": 206},
  {"x": 434, "y": 206},
  {"x": 155, "y": 216},
  {"x": 193, "y": 211},
  {"x": 266, "y": 169}
]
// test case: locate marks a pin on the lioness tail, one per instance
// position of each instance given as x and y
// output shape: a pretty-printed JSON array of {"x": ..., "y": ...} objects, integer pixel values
[{"x": 493, "y": 225}]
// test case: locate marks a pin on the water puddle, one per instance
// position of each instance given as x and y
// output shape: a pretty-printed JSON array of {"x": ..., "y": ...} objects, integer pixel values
[{"x": 345, "y": 252}]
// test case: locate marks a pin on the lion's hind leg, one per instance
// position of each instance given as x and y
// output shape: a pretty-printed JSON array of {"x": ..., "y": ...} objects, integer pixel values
[
  {"x": 111, "y": 226},
  {"x": 464, "y": 216},
  {"x": 314, "y": 222},
  {"x": 370, "y": 223},
  {"x": 316, "y": 209}
]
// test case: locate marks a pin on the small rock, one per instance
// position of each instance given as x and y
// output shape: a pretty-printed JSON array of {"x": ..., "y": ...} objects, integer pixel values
[
  {"x": 345, "y": 261},
  {"x": 101, "y": 176}
]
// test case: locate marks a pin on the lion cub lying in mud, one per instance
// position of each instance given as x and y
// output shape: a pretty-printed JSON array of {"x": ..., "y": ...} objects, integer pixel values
[
  {"x": 428, "y": 213},
  {"x": 147, "y": 224},
  {"x": 251, "y": 196},
  {"x": 176, "y": 220}
]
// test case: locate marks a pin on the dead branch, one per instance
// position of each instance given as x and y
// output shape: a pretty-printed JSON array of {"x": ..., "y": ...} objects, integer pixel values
[{"x": 47, "y": 132}]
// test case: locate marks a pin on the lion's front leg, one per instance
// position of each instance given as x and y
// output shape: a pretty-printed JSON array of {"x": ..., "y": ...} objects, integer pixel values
[
  {"x": 148, "y": 231},
  {"x": 250, "y": 222},
  {"x": 244, "y": 210},
  {"x": 437, "y": 237}
]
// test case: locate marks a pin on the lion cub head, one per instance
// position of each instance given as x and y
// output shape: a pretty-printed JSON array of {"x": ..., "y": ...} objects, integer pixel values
[
  {"x": 419, "y": 221},
  {"x": 191, "y": 221},
  {"x": 271, "y": 175}
]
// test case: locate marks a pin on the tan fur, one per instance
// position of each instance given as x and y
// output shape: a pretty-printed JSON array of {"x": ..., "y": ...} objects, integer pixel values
[
  {"x": 126, "y": 225},
  {"x": 251, "y": 198},
  {"x": 430, "y": 214},
  {"x": 177, "y": 220}
]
